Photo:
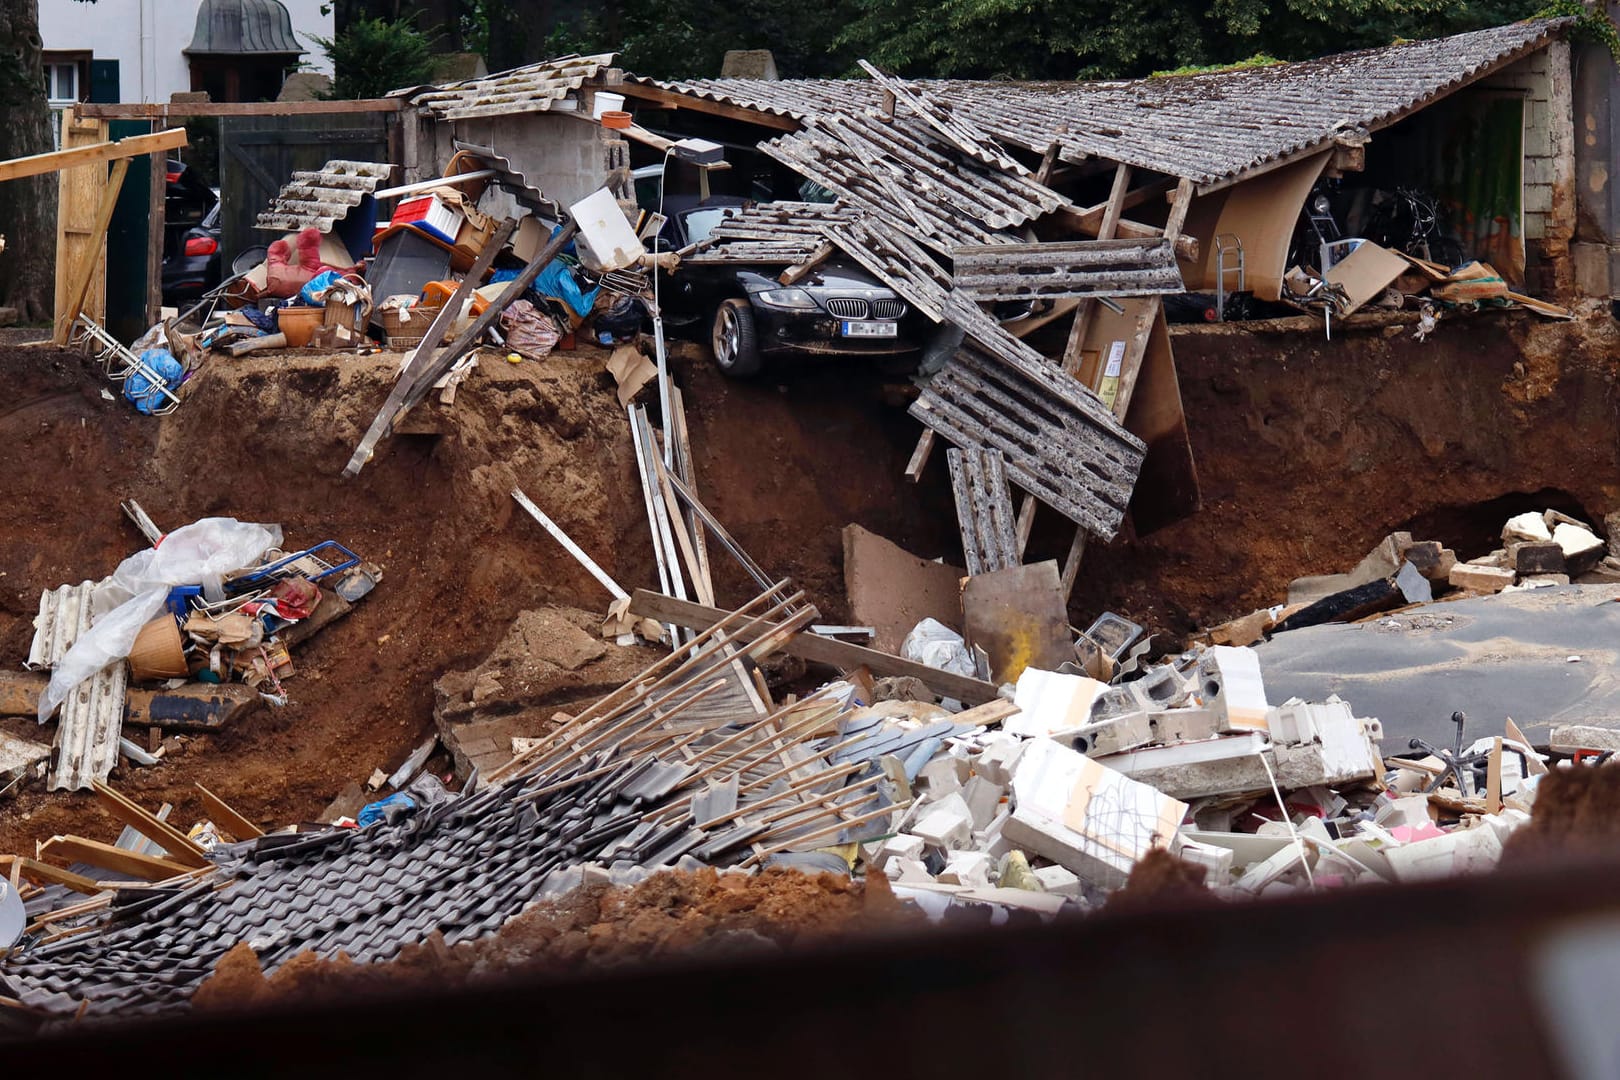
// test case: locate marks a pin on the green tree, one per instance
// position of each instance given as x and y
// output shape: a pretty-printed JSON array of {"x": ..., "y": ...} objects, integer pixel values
[
  {"x": 370, "y": 57},
  {"x": 1060, "y": 39}
]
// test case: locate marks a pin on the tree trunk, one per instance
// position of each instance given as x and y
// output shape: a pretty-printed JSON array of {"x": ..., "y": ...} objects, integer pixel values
[{"x": 27, "y": 207}]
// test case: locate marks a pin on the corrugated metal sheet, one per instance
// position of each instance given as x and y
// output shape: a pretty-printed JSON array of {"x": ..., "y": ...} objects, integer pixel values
[
  {"x": 92, "y": 717},
  {"x": 538, "y": 87},
  {"x": 781, "y": 233},
  {"x": 1076, "y": 268},
  {"x": 322, "y": 199},
  {"x": 1203, "y": 127}
]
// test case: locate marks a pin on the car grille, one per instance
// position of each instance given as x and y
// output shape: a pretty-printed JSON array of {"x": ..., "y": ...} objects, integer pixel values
[
  {"x": 888, "y": 309},
  {"x": 847, "y": 307}
]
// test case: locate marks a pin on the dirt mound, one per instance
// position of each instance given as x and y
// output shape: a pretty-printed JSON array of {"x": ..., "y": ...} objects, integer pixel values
[
  {"x": 1577, "y": 812},
  {"x": 669, "y": 915},
  {"x": 1159, "y": 880}
]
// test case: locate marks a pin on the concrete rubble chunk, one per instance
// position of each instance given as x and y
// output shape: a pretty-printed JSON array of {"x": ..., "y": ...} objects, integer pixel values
[
  {"x": 996, "y": 762},
  {"x": 1183, "y": 725},
  {"x": 1611, "y": 529},
  {"x": 1059, "y": 881},
  {"x": 1529, "y": 527},
  {"x": 907, "y": 870},
  {"x": 1413, "y": 585},
  {"x": 1215, "y": 860},
  {"x": 1477, "y": 578},
  {"x": 1542, "y": 557},
  {"x": 1461, "y": 851},
  {"x": 941, "y": 776},
  {"x": 1050, "y": 702},
  {"x": 1223, "y": 766},
  {"x": 983, "y": 801},
  {"x": 19, "y": 758},
  {"x": 1582, "y": 549},
  {"x": 1087, "y": 817},
  {"x": 1230, "y": 685},
  {"x": 970, "y": 868},
  {"x": 1117, "y": 735},
  {"x": 947, "y": 823},
  {"x": 901, "y": 846},
  {"x": 1568, "y": 738}
]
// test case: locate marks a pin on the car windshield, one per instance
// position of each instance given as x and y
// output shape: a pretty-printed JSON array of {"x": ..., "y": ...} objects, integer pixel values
[{"x": 701, "y": 222}]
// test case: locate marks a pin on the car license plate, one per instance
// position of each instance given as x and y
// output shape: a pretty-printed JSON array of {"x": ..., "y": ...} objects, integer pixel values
[{"x": 853, "y": 328}]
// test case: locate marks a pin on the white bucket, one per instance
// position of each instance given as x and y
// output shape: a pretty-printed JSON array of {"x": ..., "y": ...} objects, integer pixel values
[{"x": 606, "y": 102}]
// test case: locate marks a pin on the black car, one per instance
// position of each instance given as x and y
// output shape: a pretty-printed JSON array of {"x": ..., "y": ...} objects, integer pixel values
[
  {"x": 191, "y": 236},
  {"x": 838, "y": 309}
]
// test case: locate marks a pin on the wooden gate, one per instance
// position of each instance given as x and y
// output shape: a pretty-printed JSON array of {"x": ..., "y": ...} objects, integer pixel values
[{"x": 259, "y": 154}]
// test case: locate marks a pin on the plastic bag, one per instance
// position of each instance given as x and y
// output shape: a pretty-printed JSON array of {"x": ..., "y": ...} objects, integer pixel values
[
  {"x": 147, "y": 394},
  {"x": 933, "y": 643},
  {"x": 313, "y": 294},
  {"x": 202, "y": 552},
  {"x": 527, "y": 331},
  {"x": 558, "y": 280},
  {"x": 394, "y": 809}
]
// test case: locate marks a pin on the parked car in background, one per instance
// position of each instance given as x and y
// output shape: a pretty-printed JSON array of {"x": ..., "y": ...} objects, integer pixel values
[
  {"x": 191, "y": 237},
  {"x": 749, "y": 316}
]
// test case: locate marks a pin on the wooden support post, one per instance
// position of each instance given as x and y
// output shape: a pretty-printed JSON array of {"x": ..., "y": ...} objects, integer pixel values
[
  {"x": 1026, "y": 522},
  {"x": 79, "y": 282},
  {"x": 225, "y": 815},
  {"x": 67, "y": 850},
  {"x": 180, "y": 848},
  {"x": 1043, "y": 174},
  {"x": 157, "y": 191},
  {"x": 1105, "y": 231},
  {"x": 1151, "y": 307},
  {"x": 1071, "y": 564}
]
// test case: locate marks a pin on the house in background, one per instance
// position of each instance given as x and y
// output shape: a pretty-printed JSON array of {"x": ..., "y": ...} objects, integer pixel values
[{"x": 149, "y": 50}]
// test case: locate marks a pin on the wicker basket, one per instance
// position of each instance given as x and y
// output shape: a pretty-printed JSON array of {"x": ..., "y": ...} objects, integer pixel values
[{"x": 406, "y": 335}]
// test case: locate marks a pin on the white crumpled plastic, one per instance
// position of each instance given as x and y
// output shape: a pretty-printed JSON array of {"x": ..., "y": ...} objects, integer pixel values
[
  {"x": 200, "y": 553},
  {"x": 933, "y": 643}
]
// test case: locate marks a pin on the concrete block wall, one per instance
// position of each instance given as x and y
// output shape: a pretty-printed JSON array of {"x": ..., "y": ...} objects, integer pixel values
[{"x": 1544, "y": 78}]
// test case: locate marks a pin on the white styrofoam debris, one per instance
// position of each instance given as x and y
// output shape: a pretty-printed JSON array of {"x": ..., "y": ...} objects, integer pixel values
[
  {"x": 946, "y": 823},
  {"x": 1461, "y": 851}
]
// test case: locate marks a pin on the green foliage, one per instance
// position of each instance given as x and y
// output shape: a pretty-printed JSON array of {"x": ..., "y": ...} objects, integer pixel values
[
  {"x": 1591, "y": 24},
  {"x": 1066, "y": 39},
  {"x": 1255, "y": 61},
  {"x": 373, "y": 56}
]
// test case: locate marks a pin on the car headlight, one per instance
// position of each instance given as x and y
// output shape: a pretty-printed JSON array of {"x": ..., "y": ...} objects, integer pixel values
[{"x": 787, "y": 298}]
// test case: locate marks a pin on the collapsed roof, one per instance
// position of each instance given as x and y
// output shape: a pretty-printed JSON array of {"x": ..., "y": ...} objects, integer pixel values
[{"x": 1204, "y": 127}]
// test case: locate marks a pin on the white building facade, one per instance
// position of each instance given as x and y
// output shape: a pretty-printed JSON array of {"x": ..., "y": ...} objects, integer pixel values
[{"x": 236, "y": 50}]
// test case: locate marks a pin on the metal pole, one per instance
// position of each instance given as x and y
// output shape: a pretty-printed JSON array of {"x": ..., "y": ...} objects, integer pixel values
[{"x": 572, "y": 548}]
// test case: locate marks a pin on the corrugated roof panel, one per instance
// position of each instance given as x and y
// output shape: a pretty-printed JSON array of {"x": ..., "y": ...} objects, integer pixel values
[
  {"x": 1204, "y": 127},
  {"x": 92, "y": 717},
  {"x": 322, "y": 199},
  {"x": 536, "y": 88}
]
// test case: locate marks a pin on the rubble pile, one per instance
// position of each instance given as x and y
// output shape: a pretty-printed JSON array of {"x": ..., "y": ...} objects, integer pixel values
[{"x": 661, "y": 770}]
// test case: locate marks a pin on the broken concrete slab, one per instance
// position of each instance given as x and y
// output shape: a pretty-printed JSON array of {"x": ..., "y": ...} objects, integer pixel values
[
  {"x": 1227, "y": 765},
  {"x": 1526, "y": 528},
  {"x": 20, "y": 759},
  {"x": 1019, "y": 617},
  {"x": 1378, "y": 564},
  {"x": 892, "y": 590},
  {"x": 1085, "y": 816}
]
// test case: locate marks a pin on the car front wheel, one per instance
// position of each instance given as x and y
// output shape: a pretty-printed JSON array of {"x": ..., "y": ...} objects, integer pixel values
[{"x": 736, "y": 347}]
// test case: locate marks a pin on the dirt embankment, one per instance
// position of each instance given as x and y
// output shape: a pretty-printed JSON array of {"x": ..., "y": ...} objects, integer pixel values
[{"x": 1308, "y": 451}]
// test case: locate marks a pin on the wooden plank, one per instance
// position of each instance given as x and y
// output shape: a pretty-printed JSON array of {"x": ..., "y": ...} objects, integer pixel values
[
  {"x": 180, "y": 848},
  {"x": 1150, "y": 310},
  {"x": 67, "y": 850},
  {"x": 919, "y": 456},
  {"x": 45, "y": 874},
  {"x": 1106, "y": 228},
  {"x": 84, "y": 272},
  {"x": 165, "y": 110},
  {"x": 78, "y": 193},
  {"x": 839, "y": 654},
  {"x": 224, "y": 814},
  {"x": 156, "y": 198},
  {"x": 134, "y": 146},
  {"x": 668, "y": 99}
]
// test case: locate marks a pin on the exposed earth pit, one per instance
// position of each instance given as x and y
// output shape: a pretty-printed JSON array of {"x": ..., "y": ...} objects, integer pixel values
[{"x": 1308, "y": 452}]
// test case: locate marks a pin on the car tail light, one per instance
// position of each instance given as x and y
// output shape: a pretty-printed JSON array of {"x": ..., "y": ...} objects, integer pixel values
[{"x": 201, "y": 245}]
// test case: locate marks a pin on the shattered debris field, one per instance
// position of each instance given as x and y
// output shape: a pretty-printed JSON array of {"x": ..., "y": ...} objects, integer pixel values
[{"x": 842, "y": 557}]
